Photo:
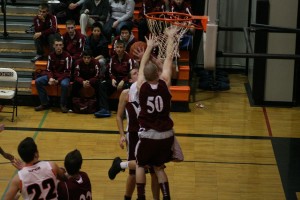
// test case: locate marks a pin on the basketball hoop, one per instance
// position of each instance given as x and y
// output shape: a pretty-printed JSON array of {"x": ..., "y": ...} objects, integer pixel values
[
  {"x": 179, "y": 19},
  {"x": 159, "y": 21}
]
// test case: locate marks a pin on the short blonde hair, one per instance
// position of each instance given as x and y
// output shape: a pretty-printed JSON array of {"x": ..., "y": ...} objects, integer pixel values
[{"x": 151, "y": 71}]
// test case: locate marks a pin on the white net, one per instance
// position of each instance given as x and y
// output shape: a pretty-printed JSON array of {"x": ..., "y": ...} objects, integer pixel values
[{"x": 168, "y": 20}]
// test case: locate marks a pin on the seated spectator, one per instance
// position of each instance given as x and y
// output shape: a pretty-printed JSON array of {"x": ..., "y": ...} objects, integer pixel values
[
  {"x": 87, "y": 74},
  {"x": 121, "y": 13},
  {"x": 93, "y": 11},
  {"x": 119, "y": 67},
  {"x": 126, "y": 36},
  {"x": 45, "y": 28},
  {"x": 74, "y": 42},
  {"x": 58, "y": 72},
  {"x": 98, "y": 45},
  {"x": 150, "y": 6}
]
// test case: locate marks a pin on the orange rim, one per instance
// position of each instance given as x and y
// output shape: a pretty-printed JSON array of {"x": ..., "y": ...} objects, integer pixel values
[{"x": 184, "y": 17}]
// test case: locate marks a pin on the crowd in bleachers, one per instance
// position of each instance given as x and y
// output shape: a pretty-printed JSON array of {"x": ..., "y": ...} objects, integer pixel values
[{"x": 102, "y": 22}]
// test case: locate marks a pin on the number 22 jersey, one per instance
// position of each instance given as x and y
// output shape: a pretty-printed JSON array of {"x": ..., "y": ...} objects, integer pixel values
[{"x": 38, "y": 181}]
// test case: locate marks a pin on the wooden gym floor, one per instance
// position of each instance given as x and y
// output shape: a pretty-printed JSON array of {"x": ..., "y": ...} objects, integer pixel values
[{"x": 232, "y": 151}]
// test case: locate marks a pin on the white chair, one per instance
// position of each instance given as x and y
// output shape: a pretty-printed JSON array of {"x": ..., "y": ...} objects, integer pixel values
[{"x": 9, "y": 90}]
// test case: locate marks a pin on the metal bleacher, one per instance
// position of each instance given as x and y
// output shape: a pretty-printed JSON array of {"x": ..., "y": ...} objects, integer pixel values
[{"x": 17, "y": 48}]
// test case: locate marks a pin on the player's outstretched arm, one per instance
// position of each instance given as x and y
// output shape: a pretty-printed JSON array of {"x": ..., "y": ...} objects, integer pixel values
[
  {"x": 17, "y": 163},
  {"x": 146, "y": 57},
  {"x": 167, "y": 65},
  {"x": 6, "y": 155}
]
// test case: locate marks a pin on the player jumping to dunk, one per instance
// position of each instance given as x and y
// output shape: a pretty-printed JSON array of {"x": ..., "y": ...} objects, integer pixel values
[{"x": 156, "y": 133}]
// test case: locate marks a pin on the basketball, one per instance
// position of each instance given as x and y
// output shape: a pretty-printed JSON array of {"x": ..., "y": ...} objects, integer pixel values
[{"x": 137, "y": 45}]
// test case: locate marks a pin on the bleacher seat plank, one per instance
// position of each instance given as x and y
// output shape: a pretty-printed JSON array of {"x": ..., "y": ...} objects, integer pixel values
[
  {"x": 40, "y": 65},
  {"x": 184, "y": 72},
  {"x": 136, "y": 14},
  {"x": 110, "y": 49},
  {"x": 180, "y": 93},
  {"x": 135, "y": 32},
  {"x": 55, "y": 90},
  {"x": 52, "y": 90},
  {"x": 184, "y": 56}
]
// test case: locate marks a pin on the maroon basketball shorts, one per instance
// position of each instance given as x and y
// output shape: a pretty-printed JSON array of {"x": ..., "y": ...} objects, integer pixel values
[{"x": 154, "y": 148}]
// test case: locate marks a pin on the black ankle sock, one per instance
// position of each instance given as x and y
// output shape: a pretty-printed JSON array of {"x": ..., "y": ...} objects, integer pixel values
[
  {"x": 127, "y": 198},
  {"x": 165, "y": 190}
]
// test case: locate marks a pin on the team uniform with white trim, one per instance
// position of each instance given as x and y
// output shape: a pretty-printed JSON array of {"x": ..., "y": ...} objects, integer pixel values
[
  {"x": 38, "y": 181},
  {"x": 156, "y": 133}
]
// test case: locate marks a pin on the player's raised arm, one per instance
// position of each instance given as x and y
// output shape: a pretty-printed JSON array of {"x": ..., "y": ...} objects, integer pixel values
[
  {"x": 167, "y": 65},
  {"x": 17, "y": 163},
  {"x": 146, "y": 57},
  {"x": 6, "y": 155}
]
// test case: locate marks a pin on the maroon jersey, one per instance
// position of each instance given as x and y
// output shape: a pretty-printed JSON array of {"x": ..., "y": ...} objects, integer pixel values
[
  {"x": 47, "y": 27},
  {"x": 155, "y": 107},
  {"x": 119, "y": 69},
  {"x": 73, "y": 189},
  {"x": 86, "y": 72},
  {"x": 132, "y": 116},
  {"x": 59, "y": 65},
  {"x": 74, "y": 46}
]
